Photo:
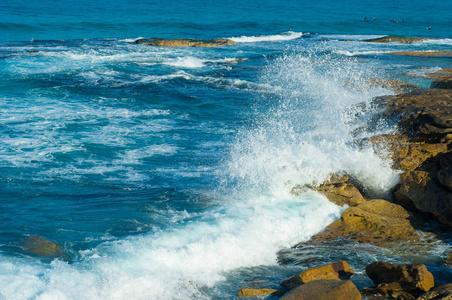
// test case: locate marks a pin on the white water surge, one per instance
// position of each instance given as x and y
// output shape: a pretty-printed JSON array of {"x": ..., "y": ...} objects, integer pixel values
[{"x": 303, "y": 138}]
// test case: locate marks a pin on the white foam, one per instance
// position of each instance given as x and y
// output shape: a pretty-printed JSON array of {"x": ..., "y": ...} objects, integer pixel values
[
  {"x": 358, "y": 53},
  {"x": 290, "y": 35},
  {"x": 188, "y": 62}
]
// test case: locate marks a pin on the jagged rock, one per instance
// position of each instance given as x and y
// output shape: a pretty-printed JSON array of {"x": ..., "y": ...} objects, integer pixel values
[
  {"x": 389, "y": 278},
  {"x": 428, "y": 189},
  {"x": 185, "y": 42},
  {"x": 443, "y": 292},
  {"x": 395, "y": 39},
  {"x": 424, "y": 53},
  {"x": 393, "y": 290},
  {"x": 258, "y": 292},
  {"x": 397, "y": 86},
  {"x": 445, "y": 82},
  {"x": 338, "y": 270},
  {"x": 324, "y": 289},
  {"x": 377, "y": 222},
  {"x": 338, "y": 189},
  {"x": 42, "y": 247}
]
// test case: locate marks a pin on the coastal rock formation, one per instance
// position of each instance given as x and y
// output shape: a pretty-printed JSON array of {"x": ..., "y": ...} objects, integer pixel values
[
  {"x": 443, "y": 292},
  {"x": 338, "y": 189},
  {"x": 258, "y": 292},
  {"x": 424, "y": 53},
  {"x": 377, "y": 222},
  {"x": 398, "y": 281},
  {"x": 443, "y": 82},
  {"x": 42, "y": 247},
  {"x": 339, "y": 270},
  {"x": 429, "y": 188},
  {"x": 324, "y": 289},
  {"x": 185, "y": 42},
  {"x": 395, "y": 39}
]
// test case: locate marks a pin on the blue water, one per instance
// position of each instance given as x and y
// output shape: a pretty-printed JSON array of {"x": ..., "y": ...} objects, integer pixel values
[{"x": 165, "y": 173}]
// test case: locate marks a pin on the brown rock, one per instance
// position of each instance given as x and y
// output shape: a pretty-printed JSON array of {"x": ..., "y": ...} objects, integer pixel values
[
  {"x": 444, "y": 82},
  {"x": 443, "y": 292},
  {"x": 439, "y": 74},
  {"x": 413, "y": 278},
  {"x": 42, "y": 247},
  {"x": 338, "y": 189},
  {"x": 327, "y": 289},
  {"x": 424, "y": 53},
  {"x": 396, "y": 39},
  {"x": 377, "y": 222},
  {"x": 185, "y": 42},
  {"x": 258, "y": 292},
  {"x": 393, "y": 290},
  {"x": 427, "y": 189},
  {"x": 339, "y": 270}
]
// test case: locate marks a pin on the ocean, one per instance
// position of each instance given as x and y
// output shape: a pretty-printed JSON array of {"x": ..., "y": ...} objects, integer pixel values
[{"x": 166, "y": 173}]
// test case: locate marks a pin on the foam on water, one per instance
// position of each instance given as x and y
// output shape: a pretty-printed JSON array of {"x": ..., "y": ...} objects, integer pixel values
[{"x": 290, "y": 35}]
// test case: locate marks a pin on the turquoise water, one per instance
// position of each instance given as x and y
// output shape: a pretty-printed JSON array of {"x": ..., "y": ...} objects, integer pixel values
[{"x": 166, "y": 173}]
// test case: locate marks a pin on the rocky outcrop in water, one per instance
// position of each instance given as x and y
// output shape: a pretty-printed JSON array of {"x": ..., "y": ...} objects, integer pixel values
[
  {"x": 42, "y": 247},
  {"x": 185, "y": 42},
  {"x": 424, "y": 53},
  {"x": 258, "y": 292},
  {"x": 395, "y": 39},
  {"x": 443, "y": 292},
  {"x": 338, "y": 271},
  {"x": 394, "y": 281},
  {"x": 324, "y": 289}
]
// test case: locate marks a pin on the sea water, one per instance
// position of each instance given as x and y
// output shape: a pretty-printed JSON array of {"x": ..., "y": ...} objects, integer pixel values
[{"x": 166, "y": 173}]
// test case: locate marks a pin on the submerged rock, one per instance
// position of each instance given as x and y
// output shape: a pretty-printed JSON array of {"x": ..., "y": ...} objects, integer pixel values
[
  {"x": 395, "y": 281},
  {"x": 424, "y": 53},
  {"x": 338, "y": 270},
  {"x": 395, "y": 39},
  {"x": 185, "y": 42},
  {"x": 324, "y": 289},
  {"x": 42, "y": 247}
]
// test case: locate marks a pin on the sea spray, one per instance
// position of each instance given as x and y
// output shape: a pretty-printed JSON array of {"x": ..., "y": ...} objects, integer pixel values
[{"x": 306, "y": 134}]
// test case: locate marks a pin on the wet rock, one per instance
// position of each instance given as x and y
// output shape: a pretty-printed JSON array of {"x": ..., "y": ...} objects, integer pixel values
[
  {"x": 443, "y": 292},
  {"x": 339, "y": 270},
  {"x": 395, "y": 281},
  {"x": 397, "y": 86},
  {"x": 395, "y": 39},
  {"x": 439, "y": 74},
  {"x": 338, "y": 189},
  {"x": 428, "y": 188},
  {"x": 445, "y": 82},
  {"x": 258, "y": 292},
  {"x": 385, "y": 291},
  {"x": 324, "y": 289},
  {"x": 377, "y": 222},
  {"x": 424, "y": 53},
  {"x": 185, "y": 42},
  {"x": 45, "y": 248}
]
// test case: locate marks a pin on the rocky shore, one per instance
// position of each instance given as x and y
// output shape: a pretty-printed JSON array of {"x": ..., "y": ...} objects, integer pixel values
[{"x": 410, "y": 222}]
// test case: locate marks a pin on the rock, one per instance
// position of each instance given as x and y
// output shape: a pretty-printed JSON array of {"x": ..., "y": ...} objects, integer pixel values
[
  {"x": 258, "y": 292},
  {"x": 42, "y": 247},
  {"x": 327, "y": 289},
  {"x": 338, "y": 189},
  {"x": 185, "y": 42},
  {"x": 428, "y": 188},
  {"x": 393, "y": 290},
  {"x": 444, "y": 82},
  {"x": 338, "y": 270},
  {"x": 397, "y": 86},
  {"x": 424, "y": 53},
  {"x": 443, "y": 292},
  {"x": 377, "y": 222},
  {"x": 395, "y": 39},
  {"x": 412, "y": 278},
  {"x": 439, "y": 74}
]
